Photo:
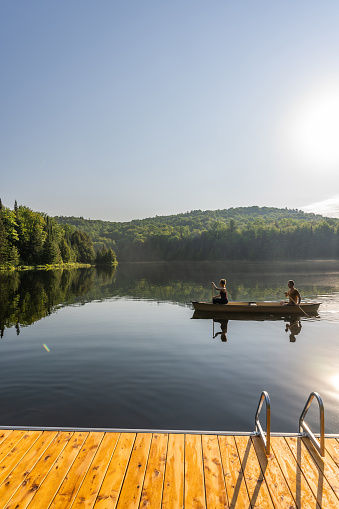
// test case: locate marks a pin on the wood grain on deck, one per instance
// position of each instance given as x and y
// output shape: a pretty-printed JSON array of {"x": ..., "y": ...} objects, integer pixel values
[{"x": 59, "y": 469}]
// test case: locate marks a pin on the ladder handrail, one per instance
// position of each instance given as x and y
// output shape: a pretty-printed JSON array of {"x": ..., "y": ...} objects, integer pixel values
[
  {"x": 303, "y": 426},
  {"x": 266, "y": 440}
]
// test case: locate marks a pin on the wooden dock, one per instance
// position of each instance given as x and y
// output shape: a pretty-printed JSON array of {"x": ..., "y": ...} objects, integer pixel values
[{"x": 102, "y": 470}]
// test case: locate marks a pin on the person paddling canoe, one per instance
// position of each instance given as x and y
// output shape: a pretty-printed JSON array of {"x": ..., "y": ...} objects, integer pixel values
[
  {"x": 294, "y": 297},
  {"x": 222, "y": 298}
]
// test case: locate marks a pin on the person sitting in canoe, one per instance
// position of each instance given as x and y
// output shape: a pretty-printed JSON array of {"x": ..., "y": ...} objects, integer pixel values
[
  {"x": 222, "y": 298},
  {"x": 293, "y": 295}
]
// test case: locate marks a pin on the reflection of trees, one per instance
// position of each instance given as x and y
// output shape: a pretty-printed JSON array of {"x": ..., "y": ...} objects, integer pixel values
[
  {"x": 183, "y": 282},
  {"x": 26, "y": 297}
]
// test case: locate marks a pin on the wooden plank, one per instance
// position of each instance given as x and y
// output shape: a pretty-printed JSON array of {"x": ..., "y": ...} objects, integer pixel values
[
  {"x": 4, "y": 434},
  {"x": 234, "y": 478},
  {"x": 256, "y": 485},
  {"x": 15, "y": 479},
  {"x": 31, "y": 484},
  {"x": 115, "y": 471},
  {"x": 111, "y": 487},
  {"x": 9, "y": 443},
  {"x": 57, "y": 473},
  {"x": 296, "y": 481},
  {"x": 332, "y": 448},
  {"x": 275, "y": 480},
  {"x": 132, "y": 487},
  {"x": 173, "y": 494},
  {"x": 17, "y": 453},
  {"x": 90, "y": 487},
  {"x": 216, "y": 496},
  {"x": 75, "y": 476},
  {"x": 194, "y": 473},
  {"x": 326, "y": 465},
  {"x": 315, "y": 477},
  {"x": 151, "y": 496}
]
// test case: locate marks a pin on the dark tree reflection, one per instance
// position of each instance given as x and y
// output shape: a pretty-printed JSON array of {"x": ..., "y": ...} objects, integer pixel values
[{"x": 26, "y": 297}]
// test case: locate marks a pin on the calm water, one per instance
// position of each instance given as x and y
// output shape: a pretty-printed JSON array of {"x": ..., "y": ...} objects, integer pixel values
[{"x": 121, "y": 348}]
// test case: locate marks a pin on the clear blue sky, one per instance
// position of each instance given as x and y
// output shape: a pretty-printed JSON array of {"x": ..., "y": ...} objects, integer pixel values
[{"x": 123, "y": 110}]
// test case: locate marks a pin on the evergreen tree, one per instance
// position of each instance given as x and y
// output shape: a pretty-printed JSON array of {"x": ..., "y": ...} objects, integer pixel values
[
  {"x": 105, "y": 256},
  {"x": 83, "y": 247},
  {"x": 66, "y": 252},
  {"x": 36, "y": 245},
  {"x": 51, "y": 252},
  {"x": 4, "y": 246},
  {"x": 13, "y": 256},
  {"x": 111, "y": 257},
  {"x": 31, "y": 235}
]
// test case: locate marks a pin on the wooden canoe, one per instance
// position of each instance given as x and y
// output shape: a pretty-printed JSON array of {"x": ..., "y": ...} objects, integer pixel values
[{"x": 310, "y": 308}]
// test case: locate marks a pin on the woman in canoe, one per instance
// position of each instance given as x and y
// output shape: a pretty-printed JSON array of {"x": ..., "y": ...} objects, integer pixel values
[{"x": 222, "y": 297}]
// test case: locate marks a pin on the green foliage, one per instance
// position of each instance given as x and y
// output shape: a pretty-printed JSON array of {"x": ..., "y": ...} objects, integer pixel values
[
  {"x": 32, "y": 238},
  {"x": 4, "y": 246},
  {"x": 9, "y": 220},
  {"x": 83, "y": 247},
  {"x": 31, "y": 235},
  {"x": 51, "y": 253},
  {"x": 105, "y": 256},
  {"x": 244, "y": 233},
  {"x": 67, "y": 255}
]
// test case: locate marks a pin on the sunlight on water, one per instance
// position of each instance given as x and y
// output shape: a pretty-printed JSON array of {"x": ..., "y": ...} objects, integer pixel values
[
  {"x": 123, "y": 348},
  {"x": 329, "y": 306},
  {"x": 335, "y": 383}
]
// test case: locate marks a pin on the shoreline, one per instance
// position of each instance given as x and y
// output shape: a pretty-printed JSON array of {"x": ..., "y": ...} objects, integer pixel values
[{"x": 55, "y": 266}]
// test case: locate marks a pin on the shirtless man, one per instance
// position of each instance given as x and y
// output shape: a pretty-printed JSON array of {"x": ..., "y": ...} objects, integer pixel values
[{"x": 293, "y": 295}]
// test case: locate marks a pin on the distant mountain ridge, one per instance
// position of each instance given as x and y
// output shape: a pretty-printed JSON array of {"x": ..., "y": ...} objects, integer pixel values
[
  {"x": 240, "y": 213},
  {"x": 234, "y": 233}
]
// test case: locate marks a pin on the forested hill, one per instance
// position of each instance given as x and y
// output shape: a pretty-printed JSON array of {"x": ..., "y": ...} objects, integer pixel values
[
  {"x": 245, "y": 233},
  {"x": 29, "y": 238}
]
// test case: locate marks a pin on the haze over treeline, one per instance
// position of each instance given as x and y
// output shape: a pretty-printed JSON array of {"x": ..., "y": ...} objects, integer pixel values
[{"x": 243, "y": 233}]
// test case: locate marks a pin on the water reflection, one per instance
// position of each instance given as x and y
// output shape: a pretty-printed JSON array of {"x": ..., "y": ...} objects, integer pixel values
[
  {"x": 133, "y": 357},
  {"x": 294, "y": 328},
  {"x": 223, "y": 327},
  {"x": 292, "y": 325},
  {"x": 26, "y": 297}
]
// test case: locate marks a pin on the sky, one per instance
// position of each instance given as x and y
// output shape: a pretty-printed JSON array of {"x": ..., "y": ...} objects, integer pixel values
[{"x": 125, "y": 110}]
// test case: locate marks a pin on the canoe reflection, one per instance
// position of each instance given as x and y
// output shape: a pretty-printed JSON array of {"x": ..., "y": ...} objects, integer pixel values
[{"x": 292, "y": 325}]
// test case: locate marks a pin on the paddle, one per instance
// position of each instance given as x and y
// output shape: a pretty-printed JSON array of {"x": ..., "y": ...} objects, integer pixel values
[{"x": 301, "y": 309}]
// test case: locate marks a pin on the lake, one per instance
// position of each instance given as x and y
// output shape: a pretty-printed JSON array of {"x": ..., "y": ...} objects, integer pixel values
[{"x": 120, "y": 348}]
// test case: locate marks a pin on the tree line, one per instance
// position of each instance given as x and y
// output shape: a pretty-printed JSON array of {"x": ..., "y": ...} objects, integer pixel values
[
  {"x": 33, "y": 238},
  {"x": 244, "y": 233}
]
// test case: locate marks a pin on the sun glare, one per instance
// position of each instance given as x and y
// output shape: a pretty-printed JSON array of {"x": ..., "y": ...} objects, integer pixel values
[
  {"x": 335, "y": 382},
  {"x": 312, "y": 129}
]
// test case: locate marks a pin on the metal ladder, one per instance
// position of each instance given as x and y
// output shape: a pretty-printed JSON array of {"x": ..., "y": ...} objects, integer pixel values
[{"x": 304, "y": 429}]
